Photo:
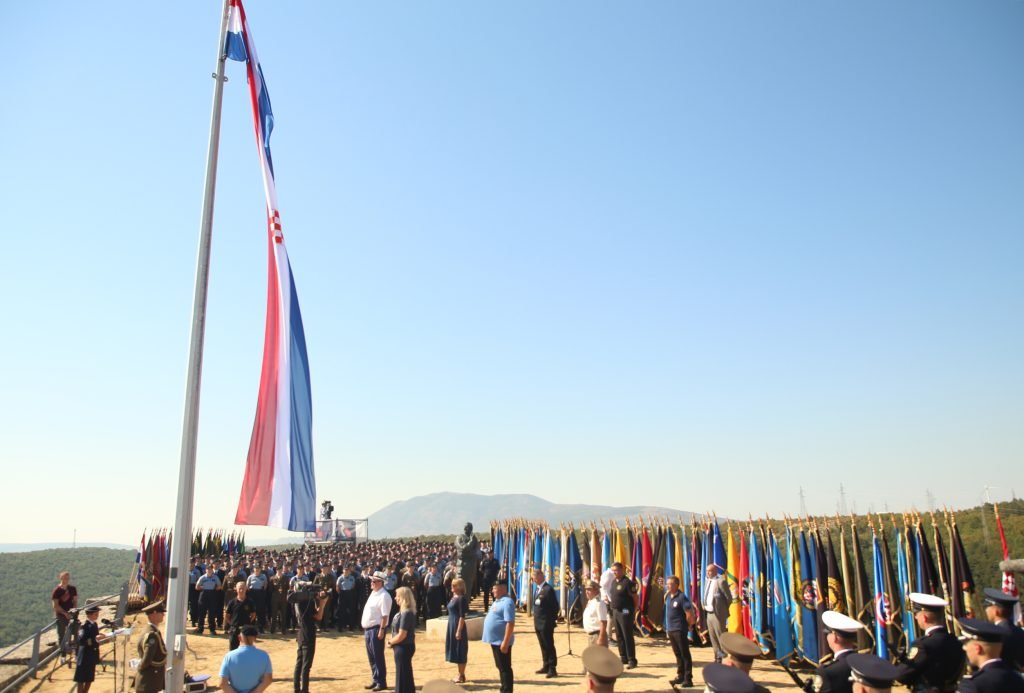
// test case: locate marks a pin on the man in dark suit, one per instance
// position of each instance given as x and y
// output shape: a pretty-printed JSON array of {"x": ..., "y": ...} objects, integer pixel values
[
  {"x": 545, "y": 613},
  {"x": 716, "y": 600}
]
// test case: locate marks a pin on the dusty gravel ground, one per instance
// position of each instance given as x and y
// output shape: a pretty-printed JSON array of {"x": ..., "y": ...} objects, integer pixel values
[{"x": 341, "y": 664}]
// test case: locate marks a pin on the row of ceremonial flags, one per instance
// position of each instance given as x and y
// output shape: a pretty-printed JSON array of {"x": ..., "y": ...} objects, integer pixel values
[
  {"x": 149, "y": 576},
  {"x": 783, "y": 575}
]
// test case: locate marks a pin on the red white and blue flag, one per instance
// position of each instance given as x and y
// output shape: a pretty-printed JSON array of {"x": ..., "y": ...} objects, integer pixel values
[{"x": 279, "y": 489}]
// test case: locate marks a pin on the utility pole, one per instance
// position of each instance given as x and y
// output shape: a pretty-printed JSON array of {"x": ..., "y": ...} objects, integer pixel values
[
  {"x": 842, "y": 501},
  {"x": 931, "y": 500},
  {"x": 803, "y": 505},
  {"x": 984, "y": 514}
]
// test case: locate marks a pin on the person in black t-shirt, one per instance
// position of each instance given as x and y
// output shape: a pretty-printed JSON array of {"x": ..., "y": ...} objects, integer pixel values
[
  {"x": 623, "y": 601},
  {"x": 308, "y": 607},
  {"x": 241, "y": 613}
]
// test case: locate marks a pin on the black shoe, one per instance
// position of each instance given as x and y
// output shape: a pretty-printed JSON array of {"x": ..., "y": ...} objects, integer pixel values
[
  {"x": 688, "y": 683},
  {"x": 378, "y": 687},
  {"x": 631, "y": 665},
  {"x": 675, "y": 682},
  {"x": 371, "y": 686},
  {"x": 551, "y": 675},
  {"x": 213, "y": 632},
  {"x": 542, "y": 670}
]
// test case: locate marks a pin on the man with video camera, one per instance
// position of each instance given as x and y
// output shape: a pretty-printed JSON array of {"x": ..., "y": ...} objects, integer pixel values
[{"x": 308, "y": 605}]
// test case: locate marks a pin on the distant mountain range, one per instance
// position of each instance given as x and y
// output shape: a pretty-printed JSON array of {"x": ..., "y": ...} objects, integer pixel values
[
  {"x": 446, "y": 513},
  {"x": 20, "y": 548}
]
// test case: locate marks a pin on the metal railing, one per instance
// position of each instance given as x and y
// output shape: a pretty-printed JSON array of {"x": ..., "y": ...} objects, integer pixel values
[{"x": 37, "y": 660}]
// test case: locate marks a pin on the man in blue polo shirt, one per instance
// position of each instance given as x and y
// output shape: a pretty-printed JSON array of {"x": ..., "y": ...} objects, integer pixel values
[
  {"x": 498, "y": 632},
  {"x": 247, "y": 669}
]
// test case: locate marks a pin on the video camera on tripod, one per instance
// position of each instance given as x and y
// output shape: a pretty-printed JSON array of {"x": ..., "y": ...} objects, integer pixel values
[{"x": 304, "y": 591}]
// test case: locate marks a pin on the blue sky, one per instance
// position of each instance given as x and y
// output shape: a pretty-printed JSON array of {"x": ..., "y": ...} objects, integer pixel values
[{"x": 691, "y": 254}]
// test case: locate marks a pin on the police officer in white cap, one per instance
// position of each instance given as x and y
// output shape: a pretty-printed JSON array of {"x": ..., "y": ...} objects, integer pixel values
[
  {"x": 935, "y": 661},
  {"x": 841, "y": 636}
]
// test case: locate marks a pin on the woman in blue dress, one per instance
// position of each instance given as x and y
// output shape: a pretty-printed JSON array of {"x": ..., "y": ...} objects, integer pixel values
[{"x": 456, "y": 644}]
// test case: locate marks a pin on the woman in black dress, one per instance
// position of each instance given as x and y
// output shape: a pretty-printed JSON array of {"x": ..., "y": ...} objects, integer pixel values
[
  {"x": 88, "y": 655},
  {"x": 403, "y": 640},
  {"x": 456, "y": 645}
]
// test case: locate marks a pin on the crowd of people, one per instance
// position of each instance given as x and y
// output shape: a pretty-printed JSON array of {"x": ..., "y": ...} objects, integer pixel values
[{"x": 389, "y": 589}]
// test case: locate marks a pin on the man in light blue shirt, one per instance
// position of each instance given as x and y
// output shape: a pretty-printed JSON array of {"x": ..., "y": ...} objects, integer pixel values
[
  {"x": 498, "y": 632},
  {"x": 247, "y": 669}
]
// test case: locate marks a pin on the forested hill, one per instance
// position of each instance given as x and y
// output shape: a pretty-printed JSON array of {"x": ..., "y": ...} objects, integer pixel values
[{"x": 28, "y": 578}]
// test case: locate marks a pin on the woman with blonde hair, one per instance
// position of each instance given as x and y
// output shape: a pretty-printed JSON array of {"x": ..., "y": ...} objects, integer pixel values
[
  {"x": 403, "y": 640},
  {"x": 456, "y": 644}
]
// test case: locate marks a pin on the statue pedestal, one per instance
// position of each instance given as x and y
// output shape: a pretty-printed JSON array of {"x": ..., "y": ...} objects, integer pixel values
[{"x": 437, "y": 628}]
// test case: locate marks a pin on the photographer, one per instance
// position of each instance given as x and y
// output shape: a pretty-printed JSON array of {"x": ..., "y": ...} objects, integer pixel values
[{"x": 308, "y": 606}]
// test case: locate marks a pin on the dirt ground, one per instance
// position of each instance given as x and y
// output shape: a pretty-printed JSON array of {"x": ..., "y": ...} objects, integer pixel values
[{"x": 341, "y": 664}]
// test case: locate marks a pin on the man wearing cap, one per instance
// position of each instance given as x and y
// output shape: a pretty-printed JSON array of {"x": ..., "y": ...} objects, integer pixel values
[
  {"x": 983, "y": 644},
  {"x": 999, "y": 610},
  {"x": 935, "y": 661},
  {"x": 602, "y": 669},
  {"x": 623, "y": 601},
  {"x": 716, "y": 601},
  {"x": 499, "y": 629},
  {"x": 88, "y": 655},
  {"x": 376, "y": 613},
  {"x": 346, "y": 602},
  {"x": 871, "y": 673},
  {"x": 149, "y": 675},
  {"x": 595, "y": 615},
  {"x": 679, "y": 615},
  {"x": 740, "y": 653},
  {"x": 545, "y": 614},
  {"x": 720, "y": 678},
  {"x": 841, "y": 636},
  {"x": 246, "y": 669}
]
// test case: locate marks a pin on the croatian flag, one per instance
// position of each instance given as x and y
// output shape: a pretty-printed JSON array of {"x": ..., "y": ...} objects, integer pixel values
[{"x": 279, "y": 489}]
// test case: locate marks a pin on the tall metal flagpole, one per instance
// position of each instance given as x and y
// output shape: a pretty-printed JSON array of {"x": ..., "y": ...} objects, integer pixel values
[{"x": 177, "y": 590}]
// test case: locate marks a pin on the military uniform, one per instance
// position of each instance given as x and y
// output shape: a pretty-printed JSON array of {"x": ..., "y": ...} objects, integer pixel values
[
  {"x": 88, "y": 655},
  {"x": 935, "y": 662},
  {"x": 149, "y": 677},
  {"x": 996, "y": 676},
  {"x": 545, "y": 614},
  {"x": 324, "y": 582},
  {"x": 278, "y": 604},
  {"x": 834, "y": 677}
]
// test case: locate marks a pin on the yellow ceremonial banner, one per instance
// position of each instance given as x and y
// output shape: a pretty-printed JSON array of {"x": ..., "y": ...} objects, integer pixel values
[
  {"x": 620, "y": 549},
  {"x": 677, "y": 560},
  {"x": 732, "y": 570}
]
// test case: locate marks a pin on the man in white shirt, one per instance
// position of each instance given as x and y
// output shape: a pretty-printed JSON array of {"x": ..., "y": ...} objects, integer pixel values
[
  {"x": 595, "y": 616},
  {"x": 375, "y": 622}
]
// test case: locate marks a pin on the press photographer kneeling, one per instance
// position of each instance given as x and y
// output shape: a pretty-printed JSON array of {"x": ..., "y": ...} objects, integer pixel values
[{"x": 308, "y": 605}]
